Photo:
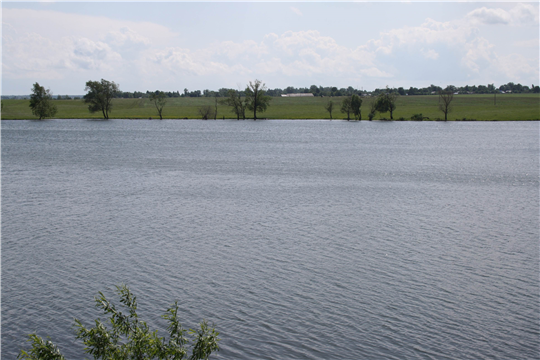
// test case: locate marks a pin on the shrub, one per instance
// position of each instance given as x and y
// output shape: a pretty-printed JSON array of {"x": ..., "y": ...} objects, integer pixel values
[{"x": 127, "y": 337}]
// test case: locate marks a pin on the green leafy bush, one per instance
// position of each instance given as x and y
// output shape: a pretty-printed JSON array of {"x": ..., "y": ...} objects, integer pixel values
[{"x": 124, "y": 336}]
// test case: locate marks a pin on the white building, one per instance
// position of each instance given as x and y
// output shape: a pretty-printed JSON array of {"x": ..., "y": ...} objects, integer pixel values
[{"x": 297, "y": 95}]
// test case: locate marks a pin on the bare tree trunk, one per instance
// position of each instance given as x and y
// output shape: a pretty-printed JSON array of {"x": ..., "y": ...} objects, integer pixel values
[
  {"x": 444, "y": 106},
  {"x": 255, "y": 94}
]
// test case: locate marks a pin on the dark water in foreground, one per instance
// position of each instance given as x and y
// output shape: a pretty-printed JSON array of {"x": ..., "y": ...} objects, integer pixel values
[{"x": 299, "y": 239}]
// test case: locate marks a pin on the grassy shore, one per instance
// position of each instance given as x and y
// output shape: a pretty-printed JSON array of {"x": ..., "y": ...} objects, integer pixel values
[{"x": 476, "y": 107}]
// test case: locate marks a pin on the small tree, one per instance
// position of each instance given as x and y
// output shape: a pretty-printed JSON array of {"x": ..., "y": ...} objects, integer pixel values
[
  {"x": 346, "y": 107},
  {"x": 124, "y": 336},
  {"x": 445, "y": 98},
  {"x": 329, "y": 107},
  {"x": 100, "y": 95},
  {"x": 386, "y": 102},
  {"x": 206, "y": 112},
  {"x": 159, "y": 98},
  {"x": 41, "y": 102},
  {"x": 234, "y": 100},
  {"x": 356, "y": 103},
  {"x": 255, "y": 97}
]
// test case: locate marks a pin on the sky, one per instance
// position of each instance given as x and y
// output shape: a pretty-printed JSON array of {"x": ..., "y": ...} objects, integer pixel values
[{"x": 172, "y": 46}]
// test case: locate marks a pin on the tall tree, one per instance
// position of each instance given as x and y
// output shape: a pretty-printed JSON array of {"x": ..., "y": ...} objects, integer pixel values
[
  {"x": 41, "y": 102},
  {"x": 445, "y": 99},
  {"x": 100, "y": 95},
  {"x": 159, "y": 98},
  {"x": 356, "y": 103},
  {"x": 256, "y": 98},
  {"x": 346, "y": 107},
  {"x": 386, "y": 102},
  {"x": 329, "y": 107}
]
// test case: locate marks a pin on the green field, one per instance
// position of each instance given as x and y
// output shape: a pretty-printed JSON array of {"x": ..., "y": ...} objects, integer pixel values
[{"x": 477, "y": 107}]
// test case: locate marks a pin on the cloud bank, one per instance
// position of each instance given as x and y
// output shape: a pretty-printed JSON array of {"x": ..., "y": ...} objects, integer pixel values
[{"x": 143, "y": 55}]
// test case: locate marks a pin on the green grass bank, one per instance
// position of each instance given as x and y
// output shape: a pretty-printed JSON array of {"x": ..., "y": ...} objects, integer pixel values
[{"x": 471, "y": 107}]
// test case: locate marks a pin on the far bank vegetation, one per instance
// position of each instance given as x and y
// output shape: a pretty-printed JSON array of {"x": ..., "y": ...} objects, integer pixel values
[{"x": 508, "y": 102}]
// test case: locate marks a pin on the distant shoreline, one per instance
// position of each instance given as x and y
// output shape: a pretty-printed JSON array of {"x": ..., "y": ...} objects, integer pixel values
[
  {"x": 503, "y": 107},
  {"x": 341, "y": 120}
]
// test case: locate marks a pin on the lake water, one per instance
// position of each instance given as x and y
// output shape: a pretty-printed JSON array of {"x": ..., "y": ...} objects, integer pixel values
[{"x": 298, "y": 239}]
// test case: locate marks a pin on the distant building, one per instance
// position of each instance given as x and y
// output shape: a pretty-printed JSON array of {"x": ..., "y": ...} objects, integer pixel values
[{"x": 298, "y": 95}]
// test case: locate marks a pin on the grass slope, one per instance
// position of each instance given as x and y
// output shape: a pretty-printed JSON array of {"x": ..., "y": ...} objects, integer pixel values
[{"x": 478, "y": 107}]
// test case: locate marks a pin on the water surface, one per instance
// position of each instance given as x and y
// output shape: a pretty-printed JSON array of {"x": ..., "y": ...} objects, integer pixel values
[{"x": 298, "y": 239}]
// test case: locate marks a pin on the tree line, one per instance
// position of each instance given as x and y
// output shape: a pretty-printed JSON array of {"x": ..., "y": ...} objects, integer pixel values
[
  {"x": 100, "y": 94},
  {"x": 326, "y": 91},
  {"x": 480, "y": 89},
  {"x": 332, "y": 91},
  {"x": 256, "y": 98}
]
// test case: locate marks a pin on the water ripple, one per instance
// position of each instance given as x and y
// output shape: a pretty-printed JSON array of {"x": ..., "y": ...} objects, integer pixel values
[{"x": 300, "y": 240}]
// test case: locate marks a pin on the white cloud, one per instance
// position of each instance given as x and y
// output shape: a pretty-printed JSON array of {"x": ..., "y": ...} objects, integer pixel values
[
  {"x": 235, "y": 51},
  {"x": 479, "y": 51},
  {"x": 461, "y": 39},
  {"x": 49, "y": 44},
  {"x": 309, "y": 52},
  {"x": 54, "y": 24},
  {"x": 374, "y": 72},
  {"x": 34, "y": 55},
  {"x": 99, "y": 44},
  {"x": 456, "y": 37},
  {"x": 430, "y": 54},
  {"x": 125, "y": 36},
  {"x": 490, "y": 16},
  {"x": 84, "y": 53},
  {"x": 524, "y": 13},
  {"x": 431, "y": 32},
  {"x": 301, "y": 53},
  {"x": 290, "y": 42},
  {"x": 270, "y": 66},
  {"x": 296, "y": 11},
  {"x": 516, "y": 66},
  {"x": 54, "y": 45},
  {"x": 184, "y": 61},
  {"x": 517, "y": 16},
  {"x": 533, "y": 43},
  {"x": 455, "y": 33},
  {"x": 310, "y": 47}
]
